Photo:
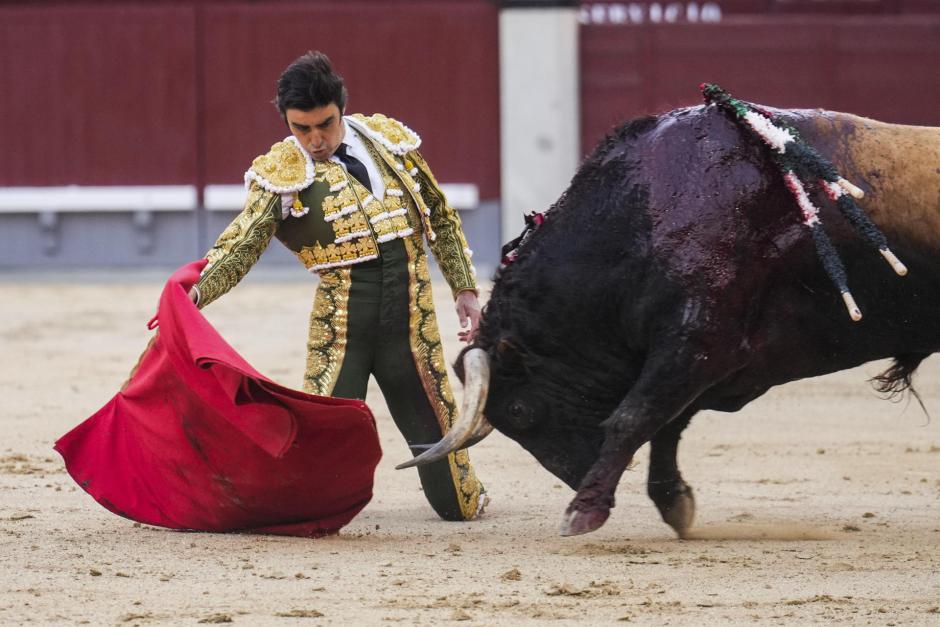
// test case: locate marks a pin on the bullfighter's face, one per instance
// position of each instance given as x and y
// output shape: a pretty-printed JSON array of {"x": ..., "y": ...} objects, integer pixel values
[{"x": 319, "y": 130}]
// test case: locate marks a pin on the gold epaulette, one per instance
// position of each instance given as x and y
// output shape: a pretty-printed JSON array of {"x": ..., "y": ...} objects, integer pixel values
[
  {"x": 285, "y": 169},
  {"x": 389, "y": 132}
]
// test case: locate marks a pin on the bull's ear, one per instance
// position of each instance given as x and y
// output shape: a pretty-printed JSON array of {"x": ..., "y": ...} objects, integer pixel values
[
  {"x": 509, "y": 351},
  {"x": 506, "y": 346},
  {"x": 458, "y": 365}
]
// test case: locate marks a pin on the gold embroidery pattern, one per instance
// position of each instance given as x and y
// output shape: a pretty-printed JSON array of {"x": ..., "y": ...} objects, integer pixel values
[
  {"x": 358, "y": 219},
  {"x": 381, "y": 221},
  {"x": 332, "y": 173},
  {"x": 393, "y": 217},
  {"x": 389, "y": 132},
  {"x": 413, "y": 190},
  {"x": 450, "y": 245},
  {"x": 337, "y": 205},
  {"x": 318, "y": 257},
  {"x": 429, "y": 359},
  {"x": 240, "y": 244},
  {"x": 355, "y": 213},
  {"x": 326, "y": 343},
  {"x": 285, "y": 168},
  {"x": 350, "y": 225},
  {"x": 366, "y": 247},
  {"x": 406, "y": 172}
]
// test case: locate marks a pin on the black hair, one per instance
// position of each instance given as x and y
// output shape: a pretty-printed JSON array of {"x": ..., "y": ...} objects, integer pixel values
[{"x": 308, "y": 83}]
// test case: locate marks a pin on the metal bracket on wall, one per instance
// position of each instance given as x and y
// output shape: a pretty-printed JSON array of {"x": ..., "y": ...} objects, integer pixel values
[
  {"x": 49, "y": 227},
  {"x": 143, "y": 225}
]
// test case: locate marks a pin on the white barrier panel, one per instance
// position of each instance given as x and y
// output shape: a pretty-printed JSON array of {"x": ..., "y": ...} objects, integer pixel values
[
  {"x": 81, "y": 198},
  {"x": 224, "y": 197},
  {"x": 116, "y": 198},
  {"x": 461, "y": 196}
]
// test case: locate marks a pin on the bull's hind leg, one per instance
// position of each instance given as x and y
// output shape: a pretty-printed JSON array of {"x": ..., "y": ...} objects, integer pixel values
[
  {"x": 671, "y": 494},
  {"x": 671, "y": 379}
]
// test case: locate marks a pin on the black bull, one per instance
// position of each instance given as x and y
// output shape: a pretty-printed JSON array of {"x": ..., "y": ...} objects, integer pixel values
[{"x": 675, "y": 275}]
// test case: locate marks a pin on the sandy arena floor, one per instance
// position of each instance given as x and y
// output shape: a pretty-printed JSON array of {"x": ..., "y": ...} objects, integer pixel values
[{"x": 817, "y": 504}]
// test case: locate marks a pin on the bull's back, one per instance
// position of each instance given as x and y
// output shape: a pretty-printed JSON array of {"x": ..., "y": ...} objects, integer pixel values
[{"x": 796, "y": 324}]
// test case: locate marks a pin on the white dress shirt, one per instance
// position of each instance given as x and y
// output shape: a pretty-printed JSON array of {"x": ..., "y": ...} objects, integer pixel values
[{"x": 357, "y": 149}]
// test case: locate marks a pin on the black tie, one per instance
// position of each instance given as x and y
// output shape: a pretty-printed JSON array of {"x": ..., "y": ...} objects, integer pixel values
[{"x": 354, "y": 166}]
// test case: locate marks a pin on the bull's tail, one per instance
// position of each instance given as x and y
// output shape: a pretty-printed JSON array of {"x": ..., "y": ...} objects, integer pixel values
[{"x": 898, "y": 379}]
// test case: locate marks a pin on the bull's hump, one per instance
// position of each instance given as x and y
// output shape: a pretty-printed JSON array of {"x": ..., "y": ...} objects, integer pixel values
[{"x": 898, "y": 167}]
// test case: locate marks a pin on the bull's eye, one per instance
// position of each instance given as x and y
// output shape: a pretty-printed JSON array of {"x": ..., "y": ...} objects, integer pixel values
[{"x": 520, "y": 414}]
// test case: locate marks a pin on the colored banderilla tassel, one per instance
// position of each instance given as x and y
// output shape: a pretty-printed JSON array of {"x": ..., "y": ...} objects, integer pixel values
[{"x": 798, "y": 162}]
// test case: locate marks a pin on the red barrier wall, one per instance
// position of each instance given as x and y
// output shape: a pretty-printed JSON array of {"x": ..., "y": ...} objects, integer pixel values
[
  {"x": 180, "y": 92},
  {"x": 881, "y": 67},
  {"x": 434, "y": 67},
  {"x": 96, "y": 96},
  {"x": 109, "y": 92}
]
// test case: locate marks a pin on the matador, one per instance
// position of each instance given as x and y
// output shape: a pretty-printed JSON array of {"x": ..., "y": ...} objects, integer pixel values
[{"x": 354, "y": 200}]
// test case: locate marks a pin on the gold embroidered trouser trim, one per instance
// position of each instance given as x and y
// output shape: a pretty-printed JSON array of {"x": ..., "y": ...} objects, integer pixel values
[
  {"x": 429, "y": 359},
  {"x": 326, "y": 343}
]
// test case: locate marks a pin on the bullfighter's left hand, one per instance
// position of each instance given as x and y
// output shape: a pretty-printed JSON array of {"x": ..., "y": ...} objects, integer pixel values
[{"x": 468, "y": 311}]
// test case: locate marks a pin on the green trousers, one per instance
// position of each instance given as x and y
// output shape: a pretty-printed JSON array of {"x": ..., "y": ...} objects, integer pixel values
[{"x": 377, "y": 344}]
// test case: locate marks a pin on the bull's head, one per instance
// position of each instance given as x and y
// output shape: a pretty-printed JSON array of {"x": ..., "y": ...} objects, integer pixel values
[{"x": 500, "y": 391}]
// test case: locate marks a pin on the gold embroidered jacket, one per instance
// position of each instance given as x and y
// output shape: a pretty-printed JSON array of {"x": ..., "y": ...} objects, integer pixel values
[{"x": 329, "y": 219}]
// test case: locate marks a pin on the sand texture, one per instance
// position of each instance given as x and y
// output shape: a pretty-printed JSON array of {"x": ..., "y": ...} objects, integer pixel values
[{"x": 818, "y": 503}]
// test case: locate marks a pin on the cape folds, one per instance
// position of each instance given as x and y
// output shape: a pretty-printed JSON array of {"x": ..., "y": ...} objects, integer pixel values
[{"x": 200, "y": 440}]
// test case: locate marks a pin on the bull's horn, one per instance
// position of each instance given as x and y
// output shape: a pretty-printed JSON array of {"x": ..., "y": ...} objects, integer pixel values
[
  {"x": 471, "y": 424},
  {"x": 483, "y": 429}
]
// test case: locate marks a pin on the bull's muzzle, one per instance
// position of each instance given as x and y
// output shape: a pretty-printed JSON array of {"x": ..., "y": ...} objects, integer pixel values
[{"x": 471, "y": 426}]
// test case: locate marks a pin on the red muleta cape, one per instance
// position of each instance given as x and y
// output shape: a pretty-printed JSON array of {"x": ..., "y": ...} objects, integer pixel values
[{"x": 200, "y": 440}]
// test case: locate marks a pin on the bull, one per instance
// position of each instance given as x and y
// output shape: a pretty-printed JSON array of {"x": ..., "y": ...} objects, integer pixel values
[{"x": 676, "y": 275}]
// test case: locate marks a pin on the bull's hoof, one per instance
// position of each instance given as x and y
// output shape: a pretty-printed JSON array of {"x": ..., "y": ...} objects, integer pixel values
[
  {"x": 681, "y": 512},
  {"x": 576, "y": 522}
]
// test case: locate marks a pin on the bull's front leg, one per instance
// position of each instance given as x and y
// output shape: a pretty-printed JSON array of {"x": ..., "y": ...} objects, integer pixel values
[{"x": 668, "y": 385}]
